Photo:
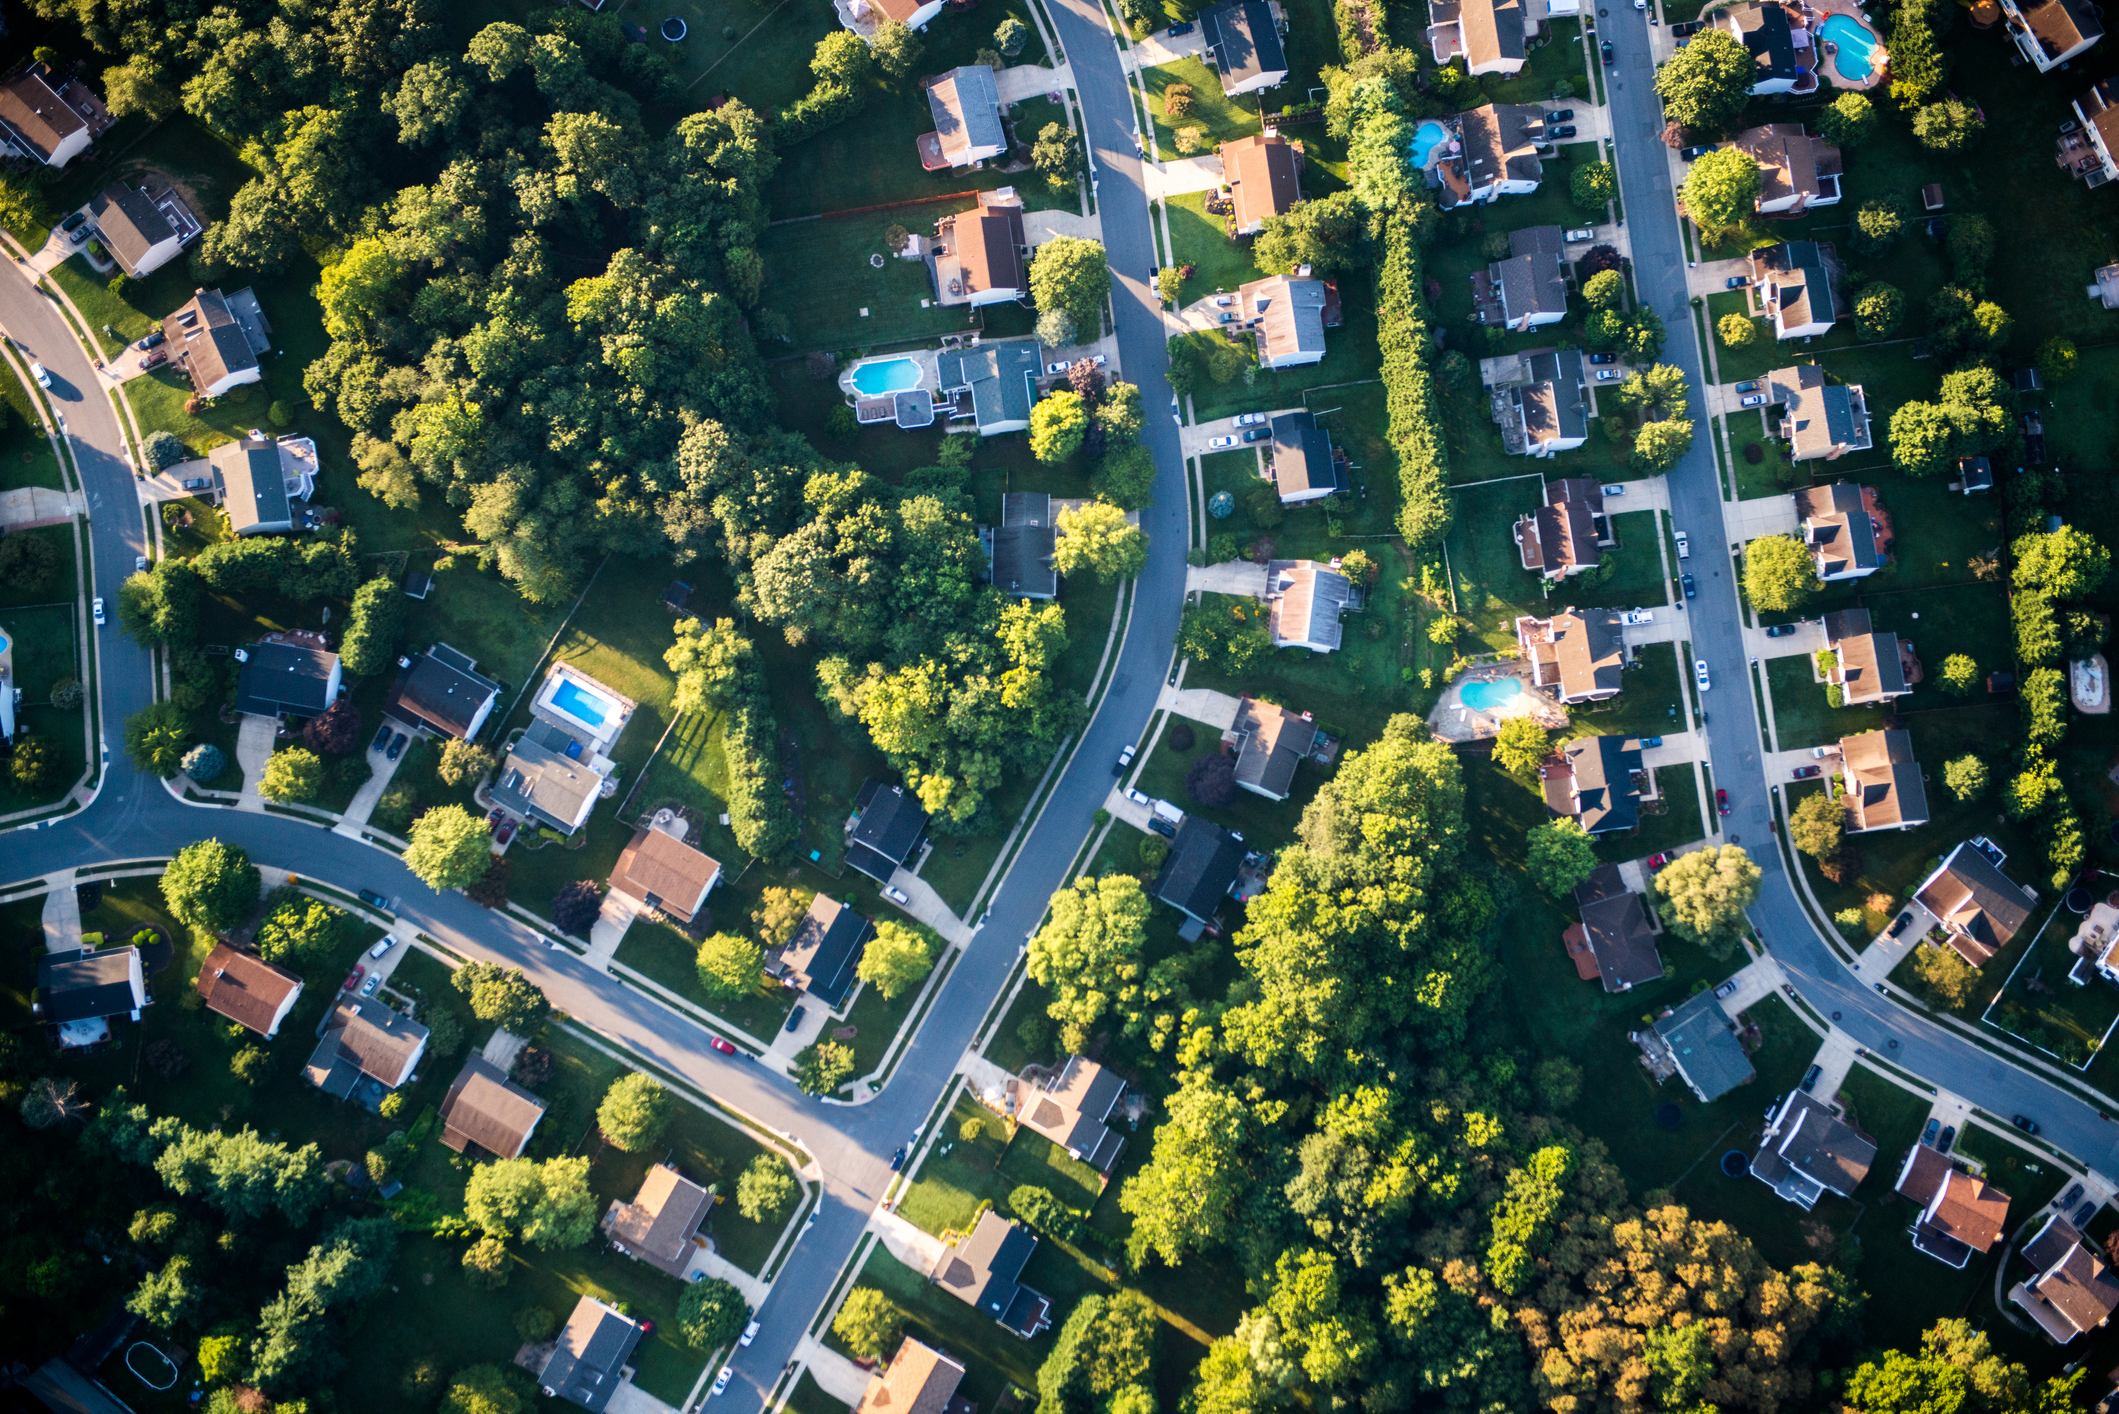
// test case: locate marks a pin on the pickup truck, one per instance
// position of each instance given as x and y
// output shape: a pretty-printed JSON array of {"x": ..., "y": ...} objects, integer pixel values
[{"x": 1684, "y": 545}]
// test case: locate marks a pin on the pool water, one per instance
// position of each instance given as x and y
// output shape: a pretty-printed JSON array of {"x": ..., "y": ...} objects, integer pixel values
[
  {"x": 3, "y": 643},
  {"x": 891, "y": 375},
  {"x": 1486, "y": 696},
  {"x": 1426, "y": 140},
  {"x": 1854, "y": 59},
  {"x": 570, "y": 697}
]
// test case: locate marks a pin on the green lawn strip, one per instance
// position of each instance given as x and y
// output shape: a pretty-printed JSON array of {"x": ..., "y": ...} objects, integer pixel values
[
  {"x": 1677, "y": 823},
  {"x": 1006, "y": 1049},
  {"x": 1219, "y": 118},
  {"x": 1942, "y": 619},
  {"x": 26, "y": 456},
  {"x": 42, "y": 636},
  {"x": 22, "y": 924},
  {"x": 1635, "y": 580},
  {"x": 808, "y": 1397},
  {"x": 1200, "y": 239},
  {"x": 1754, "y": 676},
  {"x": 1351, "y": 356},
  {"x": 1761, "y": 462},
  {"x": 1557, "y": 56},
  {"x": 2085, "y": 417},
  {"x": 1800, "y": 710},
  {"x": 660, "y": 952},
  {"x": 876, "y": 1019}
]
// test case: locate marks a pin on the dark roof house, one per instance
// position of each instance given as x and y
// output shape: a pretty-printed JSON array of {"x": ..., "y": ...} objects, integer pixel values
[
  {"x": 888, "y": 822},
  {"x": 1808, "y": 1151},
  {"x": 49, "y": 121},
  {"x": 134, "y": 229},
  {"x": 1704, "y": 1047},
  {"x": 1884, "y": 787},
  {"x": 1201, "y": 868},
  {"x": 1959, "y": 1214},
  {"x": 1303, "y": 602},
  {"x": 1244, "y": 42},
  {"x": 1819, "y": 419},
  {"x": 2074, "y": 1292},
  {"x": 985, "y": 1270},
  {"x": 825, "y": 948},
  {"x": 87, "y": 985},
  {"x": 1867, "y": 666},
  {"x": 364, "y": 1040},
  {"x": 1579, "y": 653},
  {"x": 1304, "y": 465},
  {"x": 286, "y": 679},
  {"x": 1616, "y": 930},
  {"x": 254, "y": 486},
  {"x": 216, "y": 340},
  {"x": 1593, "y": 780},
  {"x": 442, "y": 691},
  {"x": 1022, "y": 546},
  {"x": 1270, "y": 743},
  {"x": 587, "y": 1363},
  {"x": 1567, "y": 534}
]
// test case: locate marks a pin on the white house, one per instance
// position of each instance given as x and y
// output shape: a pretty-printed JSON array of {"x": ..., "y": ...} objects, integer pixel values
[
  {"x": 47, "y": 121},
  {"x": 1783, "y": 50},
  {"x": 1243, "y": 41},
  {"x": 135, "y": 230},
  {"x": 216, "y": 340},
  {"x": 2051, "y": 32},
  {"x": 966, "y": 107}
]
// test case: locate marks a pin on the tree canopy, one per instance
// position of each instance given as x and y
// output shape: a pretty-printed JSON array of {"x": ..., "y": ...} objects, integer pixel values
[
  {"x": 547, "y": 1205},
  {"x": 1706, "y": 892},
  {"x": 1780, "y": 574},
  {"x": 211, "y": 887},
  {"x": 1705, "y": 86}
]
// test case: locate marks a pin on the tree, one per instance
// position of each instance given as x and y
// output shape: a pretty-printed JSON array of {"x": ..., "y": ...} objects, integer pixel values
[
  {"x": 1847, "y": 121},
  {"x": 1106, "y": 1348},
  {"x": 139, "y": 87},
  {"x": 463, "y": 764},
  {"x": 451, "y": 848},
  {"x": 1125, "y": 477},
  {"x": 1058, "y": 422},
  {"x": 1521, "y": 746},
  {"x": 897, "y": 48},
  {"x": 577, "y": 905},
  {"x": 1879, "y": 307},
  {"x": 1057, "y": 156},
  {"x": 1096, "y": 540},
  {"x": 27, "y": 562},
  {"x": 1971, "y": 246},
  {"x": 1955, "y": 1370},
  {"x": 1329, "y": 234},
  {"x": 241, "y": 1175},
  {"x": 50, "y": 1102},
  {"x": 765, "y": 1189},
  {"x": 163, "y": 450},
  {"x": 1088, "y": 955},
  {"x": 168, "y": 1297},
  {"x": 1878, "y": 222},
  {"x": 428, "y": 102},
  {"x": 1966, "y": 777},
  {"x": 336, "y": 730},
  {"x": 1593, "y": 185},
  {"x": 1953, "y": 980},
  {"x": 1779, "y": 574},
  {"x": 547, "y": 1205},
  {"x": 1604, "y": 290},
  {"x": 869, "y": 1323},
  {"x": 1706, "y": 893},
  {"x": 1706, "y": 84},
  {"x": 1379, "y": 166},
  {"x": 1561, "y": 855},
  {"x": 158, "y": 607},
  {"x": 2067, "y": 563},
  {"x": 156, "y": 738},
  {"x": 711, "y": 1314},
  {"x": 1211, "y": 780},
  {"x": 34, "y": 767},
  {"x": 2056, "y": 360},
  {"x": 1055, "y": 328},
  {"x": 1657, "y": 392},
  {"x": 1818, "y": 826},
  {"x": 501, "y": 996},
  {"x": 729, "y": 966},
  {"x": 301, "y": 933},
  {"x": 370, "y": 642},
  {"x": 486, "y": 1264},
  {"x": 1012, "y": 35},
  {"x": 293, "y": 775},
  {"x": 823, "y": 1068},
  {"x": 1721, "y": 187},
  {"x": 1960, "y": 673},
  {"x": 1947, "y": 126},
  {"x": 780, "y": 911},
  {"x": 211, "y": 887},
  {"x": 895, "y": 960},
  {"x": 1071, "y": 275},
  {"x": 1659, "y": 446},
  {"x": 1737, "y": 330},
  {"x": 480, "y": 1389},
  {"x": 635, "y": 1112},
  {"x": 360, "y": 290}
]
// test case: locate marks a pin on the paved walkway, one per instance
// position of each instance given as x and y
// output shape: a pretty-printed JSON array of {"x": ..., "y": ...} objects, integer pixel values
[
  {"x": 1159, "y": 48},
  {"x": 1884, "y": 953},
  {"x": 38, "y": 505},
  {"x": 630, "y": 1398},
  {"x": 502, "y": 1047},
  {"x": 253, "y": 748},
  {"x": 168, "y": 484},
  {"x": 368, "y": 796},
  {"x": 1032, "y": 81},
  {"x": 62, "y": 913},
  {"x": 1042, "y": 226},
  {"x": 923, "y": 903},
  {"x": 1228, "y": 577},
  {"x": 792, "y": 1042},
  {"x": 916, "y": 1249},
  {"x": 609, "y": 929},
  {"x": 1834, "y": 1059},
  {"x": 1760, "y": 979},
  {"x": 1748, "y": 520},
  {"x": 838, "y": 1376},
  {"x": 707, "y": 1262}
]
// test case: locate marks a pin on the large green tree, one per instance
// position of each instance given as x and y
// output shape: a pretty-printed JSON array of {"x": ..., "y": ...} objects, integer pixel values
[
  {"x": 1706, "y": 84},
  {"x": 210, "y": 886},
  {"x": 450, "y": 848},
  {"x": 896, "y": 960},
  {"x": 1088, "y": 956},
  {"x": 502, "y": 996},
  {"x": 1780, "y": 574},
  {"x": 1096, "y": 540},
  {"x": 1721, "y": 187},
  {"x": 1560, "y": 855},
  {"x": 1705, "y": 893},
  {"x": 635, "y": 1112},
  {"x": 1072, "y": 275},
  {"x": 547, "y": 1205}
]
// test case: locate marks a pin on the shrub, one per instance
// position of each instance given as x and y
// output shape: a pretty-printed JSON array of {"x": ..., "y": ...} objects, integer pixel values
[
  {"x": 1044, "y": 1212},
  {"x": 1737, "y": 330},
  {"x": 575, "y": 908},
  {"x": 1211, "y": 780},
  {"x": 486, "y": 1264},
  {"x": 1415, "y": 418},
  {"x": 163, "y": 450},
  {"x": 1180, "y": 736},
  {"x": 1177, "y": 100},
  {"x": 1154, "y": 849}
]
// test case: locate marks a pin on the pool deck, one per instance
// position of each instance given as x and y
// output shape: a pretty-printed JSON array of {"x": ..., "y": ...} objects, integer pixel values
[
  {"x": 1454, "y": 719},
  {"x": 923, "y": 359},
  {"x": 1812, "y": 14}
]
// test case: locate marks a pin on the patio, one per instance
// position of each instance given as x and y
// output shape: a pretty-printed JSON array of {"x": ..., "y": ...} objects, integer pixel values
[{"x": 1456, "y": 719}]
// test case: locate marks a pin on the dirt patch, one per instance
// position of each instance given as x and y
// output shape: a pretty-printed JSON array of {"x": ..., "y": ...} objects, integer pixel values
[{"x": 194, "y": 190}]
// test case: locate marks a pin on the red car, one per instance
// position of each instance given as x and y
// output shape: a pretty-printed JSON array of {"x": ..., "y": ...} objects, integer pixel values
[
  {"x": 1721, "y": 798},
  {"x": 505, "y": 833},
  {"x": 355, "y": 980},
  {"x": 720, "y": 1045},
  {"x": 1657, "y": 861},
  {"x": 1804, "y": 773}
]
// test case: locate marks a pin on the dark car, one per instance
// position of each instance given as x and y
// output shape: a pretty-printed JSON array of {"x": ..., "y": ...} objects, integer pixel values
[
  {"x": 1687, "y": 29},
  {"x": 1692, "y": 153},
  {"x": 1927, "y": 1136},
  {"x": 1603, "y": 358},
  {"x": 353, "y": 980},
  {"x": 74, "y": 222},
  {"x": 2024, "y": 1123},
  {"x": 2084, "y": 1214},
  {"x": 1560, "y": 115},
  {"x": 897, "y": 1160},
  {"x": 1949, "y": 1137},
  {"x": 1779, "y": 630},
  {"x": 794, "y": 1018},
  {"x": 382, "y": 738},
  {"x": 1804, "y": 773},
  {"x": 397, "y": 744},
  {"x": 2067, "y": 1199},
  {"x": 1810, "y": 1077},
  {"x": 1748, "y": 387},
  {"x": 1257, "y": 434},
  {"x": 1691, "y": 590},
  {"x": 1900, "y": 923},
  {"x": 1162, "y": 827},
  {"x": 1721, "y": 801},
  {"x": 373, "y": 899},
  {"x": 153, "y": 340},
  {"x": 1183, "y": 27},
  {"x": 1611, "y": 56}
]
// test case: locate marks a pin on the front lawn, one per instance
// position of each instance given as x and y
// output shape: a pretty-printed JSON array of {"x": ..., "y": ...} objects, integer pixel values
[
  {"x": 1801, "y": 714},
  {"x": 660, "y": 952},
  {"x": 2043, "y": 1008},
  {"x": 1219, "y": 118},
  {"x": 1201, "y": 239}
]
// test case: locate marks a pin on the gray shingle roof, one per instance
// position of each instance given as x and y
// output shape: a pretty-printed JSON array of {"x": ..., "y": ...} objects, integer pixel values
[
  {"x": 1708, "y": 1054},
  {"x": 1244, "y": 40},
  {"x": 967, "y": 115}
]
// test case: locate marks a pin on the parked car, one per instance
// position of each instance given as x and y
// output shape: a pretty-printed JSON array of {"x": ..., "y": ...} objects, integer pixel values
[
  {"x": 2024, "y": 1123},
  {"x": 1949, "y": 1137},
  {"x": 1605, "y": 375},
  {"x": 353, "y": 979},
  {"x": 1694, "y": 153},
  {"x": 1699, "y": 673},
  {"x": 1736, "y": 282},
  {"x": 1690, "y": 589},
  {"x": 1228, "y": 441},
  {"x": 1650, "y": 741},
  {"x": 1779, "y": 630},
  {"x": 1637, "y": 616},
  {"x": 795, "y": 1018},
  {"x": 1251, "y": 419},
  {"x": 1162, "y": 827},
  {"x": 728, "y": 1372},
  {"x": 1725, "y": 989},
  {"x": 382, "y": 738},
  {"x": 1179, "y": 29},
  {"x": 1810, "y": 1077},
  {"x": 382, "y": 947},
  {"x": 1137, "y": 797},
  {"x": 1560, "y": 115},
  {"x": 721, "y": 1044},
  {"x": 196, "y": 483},
  {"x": 505, "y": 833},
  {"x": 1059, "y": 367},
  {"x": 1750, "y": 385},
  {"x": 44, "y": 380},
  {"x": 1616, "y": 488},
  {"x": 1581, "y": 233},
  {"x": 74, "y": 222},
  {"x": 81, "y": 236},
  {"x": 1898, "y": 924},
  {"x": 750, "y": 1333},
  {"x": 368, "y": 988},
  {"x": 1611, "y": 56},
  {"x": 153, "y": 340},
  {"x": 1562, "y": 132},
  {"x": 1256, "y": 434},
  {"x": 1804, "y": 773},
  {"x": 1927, "y": 1136},
  {"x": 1687, "y": 29},
  {"x": 1752, "y": 400},
  {"x": 2067, "y": 1200},
  {"x": 1604, "y": 358},
  {"x": 1684, "y": 545},
  {"x": 897, "y": 896},
  {"x": 373, "y": 899},
  {"x": 1125, "y": 759},
  {"x": 897, "y": 1160},
  {"x": 1820, "y": 752},
  {"x": 1721, "y": 801},
  {"x": 398, "y": 741},
  {"x": 2085, "y": 1213},
  {"x": 97, "y": 604}
]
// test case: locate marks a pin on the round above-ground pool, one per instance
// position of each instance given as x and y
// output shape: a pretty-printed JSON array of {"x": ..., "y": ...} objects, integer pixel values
[
  {"x": 885, "y": 376},
  {"x": 1426, "y": 139},
  {"x": 1855, "y": 46},
  {"x": 1486, "y": 696}
]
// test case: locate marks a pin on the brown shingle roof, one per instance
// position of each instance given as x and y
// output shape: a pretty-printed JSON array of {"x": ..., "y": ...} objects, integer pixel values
[
  {"x": 1884, "y": 787},
  {"x": 2080, "y": 1288},
  {"x": 920, "y": 1380},
  {"x": 1260, "y": 170},
  {"x": 1972, "y": 1211},
  {"x": 1274, "y": 742},
  {"x": 244, "y": 987},
  {"x": 485, "y": 1108},
  {"x": 1790, "y": 160},
  {"x": 659, "y": 1224},
  {"x": 33, "y": 110},
  {"x": 662, "y": 869}
]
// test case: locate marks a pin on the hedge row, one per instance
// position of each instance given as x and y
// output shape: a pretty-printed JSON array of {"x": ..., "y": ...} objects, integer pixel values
[
  {"x": 822, "y": 107},
  {"x": 370, "y": 642},
  {"x": 1415, "y": 425},
  {"x": 758, "y": 812}
]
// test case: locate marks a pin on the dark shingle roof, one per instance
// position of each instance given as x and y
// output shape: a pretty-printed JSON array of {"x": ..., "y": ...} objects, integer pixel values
[
  {"x": 890, "y": 827},
  {"x": 590, "y": 1353},
  {"x": 285, "y": 677},
  {"x": 1706, "y": 1050},
  {"x": 1244, "y": 40},
  {"x": 129, "y": 223},
  {"x": 1302, "y": 456},
  {"x": 1203, "y": 864},
  {"x": 826, "y": 947},
  {"x": 443, "y": 690},
  {"x": 84, "y": 984},
  {"x": 1023, "y": 546}
]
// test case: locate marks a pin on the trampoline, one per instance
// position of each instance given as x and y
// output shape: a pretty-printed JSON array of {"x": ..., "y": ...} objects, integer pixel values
[
  {"x": 1667, "y": 1115},
  {"x": 2078, "y": 900},
  {"x": 1735, "y": 1164},
  {"x": 673, "y": 29},
  {"x": 132, "y": 1352}
]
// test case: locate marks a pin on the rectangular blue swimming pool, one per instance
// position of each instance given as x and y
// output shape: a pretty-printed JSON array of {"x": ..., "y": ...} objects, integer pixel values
[{"x": 576, "y": 701}]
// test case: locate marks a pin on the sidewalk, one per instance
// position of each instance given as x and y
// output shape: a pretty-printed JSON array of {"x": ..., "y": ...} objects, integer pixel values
[{"x": 29, "y": 506}]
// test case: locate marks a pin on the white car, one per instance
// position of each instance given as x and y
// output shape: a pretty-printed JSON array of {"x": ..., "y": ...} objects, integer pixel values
[
  {"x": 1061, "y": 367},
  {"x": 139, "y": 562},
  {"x": 44, "y": 380},
  {"x": 1752, "y": 400},
  {"x": 728, "y": 1372},
  {"x": 97, "y": 606},
  {"x": 1699, "y": 673},
  {"x": 1605, "y": 375},
  {"x": 1615, "y": 489},
  {"x": 1586, "y": 233},
  {"x": 1637, "y": 616},
  {"x": 1137, "y": 797},
  {"x": 1221, "y": 442},
  {"x": 896, "y": 896},
  {"x": 1251, "y": 419},
  {"x": 1684, "y": 545},
  {"x": 382, "y": 947},
  {"x": 750, "y": 1333}
]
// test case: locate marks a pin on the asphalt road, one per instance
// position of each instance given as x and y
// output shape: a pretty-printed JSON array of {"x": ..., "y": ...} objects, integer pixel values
[{"x": 1733, "y": 735}]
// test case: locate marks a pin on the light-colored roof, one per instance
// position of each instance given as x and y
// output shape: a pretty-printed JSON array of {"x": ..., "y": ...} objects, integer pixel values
[
  {"x": 1290, "y": 314},
  {"x": 660, "y": 1222},
  {"x": 967, "y": 114},
  {"x": 660, "y": 867}
]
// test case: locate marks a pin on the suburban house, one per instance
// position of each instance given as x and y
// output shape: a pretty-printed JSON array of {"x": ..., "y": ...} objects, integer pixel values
[
  {"x": 978, "y": 254},
  {"x": 1614, "y": 943},
  {"x": 1569, "y": 533},
  {"x": 1980, "y": 908},
  {"x": 1540, "y": 400},
  {"x": 366, "y": 1050},
  {"x": 247, "y": 990},
  {"x": 865, "y": 17},
  {"x": 1696, "y": 1042},
  {"x": 2070, "y": 1291},
  {"x": 661, "y": 1225},
  {"x": 79, "y": 991},
  {"x": 1019, "y": 550},
  {"x": 1796, "y": 170},
  {"x": 560, "y": 765},
  {"x": 1884, "y": 789},
  {"x": 1289, "y": 314},
  {"x": 992, "y": 384},
  {"x": 285, "y": 679},
  {"x": 1303, "y": 602},
  {"x": 1782, "y": 48},
  {"x": 1499, "y": 156},
  {"x": 1593, "y": 780},
  {"x": 1839, "y": 528},
  {"x": 966, "y": 105},
  {"x": 1261, "y": 172},
  {"x": 588, "y": 1360},
  {"x": 1243, "y": 44},
  {"x": 1818, "y": 418},
  {"x": 887, "y": 825},
  {"x": 918, "y": 1380},
  {"x": 985, "y": 1270},
  {"x": 441, "y": 691},
  {"x": 2092, "y": 150},
  {"x": 1305, "y": 465},
  {"x": 1527, "y": 289},
  {"x": 1867, "y": 667},
  {"x": 254, "y": 486},
  {"x": 486, "y": 1109},
  {"x": 49, "y": 121},
  {"x": 1808, "y": 1151},
  {"x": 1974, "y": 475},
  {"x": 2051, "y": 32},
  {"x": 820, "y": 956},
  {"x": 1202, "y": 866},
  {"x": 1959, "y": 1214},
  {"x": 1577, "y": 653},
  {"x": 1489, "y": 34},
  {"x": 1073, "y": 1110},
  {"x": 216, "y": 340},
  {"x": 1270, "y": 743},
  {"x": 142, "y": 233},
  {"x": 662, "y": 872},
  {"x": 1794, "y": 285}
]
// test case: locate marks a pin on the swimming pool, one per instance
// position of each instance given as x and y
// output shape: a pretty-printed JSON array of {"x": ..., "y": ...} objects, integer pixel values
[
  {"x": 1486, "y": 696},
  {"x": 890, "y": 375},
  {"x": 1857, "y": 45},
  {"x": 576, "y": 701},
  {"x": 1425, "y": 141},
  {"x": 3, "y": 643}
]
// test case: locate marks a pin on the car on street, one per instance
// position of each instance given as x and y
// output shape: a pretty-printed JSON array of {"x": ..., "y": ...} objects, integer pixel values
[
  {"x": 795, "y": 1018},
  {"x": 1229, "y": 441},
  {"x": 1699, "y": 673},
  {"x": 728, "y": 1372},
  {"x": 1256, "y": 434},
  {"x": 1736, "y": 282},
  {"x": 398, "y": 741},
  {"x": 721, "y": 1044},
  {"x": 2024, "y": 1123},
  {"x": 1752, "y": 400},
  {"x": 1605, "y": 375},
  {"x": 44, "y": 380},
  {"x": 1648, "y": 742},
  {"x": 1604, "y": 358},
  {"x": 353, "y": 979},
  {"x": 382, "y": 947},
  {"x": 1565, "y": 130},
  {"x": 1779, "y": 630},
  {"x": 153, "y": 340},
  {"x": 1927, "y": 1136},
  {"x": 98, "y": 606},
  {"x": 1748, "y": 386},
  {"x": 1721, "y": 801},
  {"x": 1251, "y": 419},
  {"x": 368, "y": 988},
  {"x": 1125, "y": 759},
  {"x": 1810, "y": 1077},
  {"x": 1725, "y": 989},
  {"x": 1611, "y": 56},
  {"x": 897, "y": 1160},
  {"x": 1581, "y": 233},
  {"x": 1637, "y": 616},
  {"x": 1162, "y": 827},
  {"x": 1684, "y": 545},
  {"x": 1693, "y": 153},
  {"x": 373, "y": 899},
  {"x": 1690, "y": 588},
  {"x": 139, "y": 562},
  {"x": 382, "y": 738},
  {"x": 1949, "y": 1137},
  {"x": 750, "y": 1333},
  {"x": 1804, "y": 773}
]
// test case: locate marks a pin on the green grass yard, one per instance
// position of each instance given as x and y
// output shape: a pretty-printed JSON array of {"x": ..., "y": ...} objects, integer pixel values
[
  {"x": 1801, "y": 713},
  {"x": 1219, "y": 118},
  {"x": 1200, "y": 238}
]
